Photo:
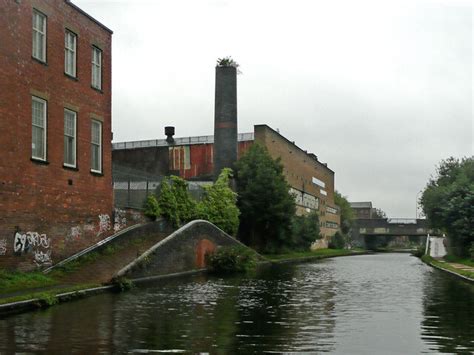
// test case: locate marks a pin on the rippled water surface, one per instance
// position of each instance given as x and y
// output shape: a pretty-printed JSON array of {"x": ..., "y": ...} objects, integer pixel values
[{"x": 371, "y": 304}]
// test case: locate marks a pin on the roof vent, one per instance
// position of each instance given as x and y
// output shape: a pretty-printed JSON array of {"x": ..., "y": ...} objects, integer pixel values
[{"x": 169, "y": 132}]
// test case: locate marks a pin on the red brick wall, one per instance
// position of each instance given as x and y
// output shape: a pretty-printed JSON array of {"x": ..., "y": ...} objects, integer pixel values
[{"x": 59, "y": 207}]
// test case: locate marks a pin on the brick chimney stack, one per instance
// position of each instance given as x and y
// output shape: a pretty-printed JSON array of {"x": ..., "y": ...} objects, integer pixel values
[{"x": 225, "y": 119}]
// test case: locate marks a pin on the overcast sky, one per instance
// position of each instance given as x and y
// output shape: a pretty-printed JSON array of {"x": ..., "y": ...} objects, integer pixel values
[{"x": 380, "y": 90}]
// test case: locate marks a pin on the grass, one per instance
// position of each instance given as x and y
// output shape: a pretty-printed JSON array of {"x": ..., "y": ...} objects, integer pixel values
[
  {"x": 455, "y": 259},
  {"x": 318, "y": 254},
  {"x": 442, "y": 265},
  {"x": 16, "y": 281},
  {"x": 47, "y": 297}
]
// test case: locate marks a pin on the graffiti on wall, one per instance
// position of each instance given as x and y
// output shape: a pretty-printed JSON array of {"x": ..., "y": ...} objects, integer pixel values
[
  {"x": 120, "y": 221},
  {"x": 23, "y": 242},
  {"x": 104, "y": 223},
  {"x": 38, "y": 244},
  {"x": 3, "y": 246},
  {"x": 74, "y": 233},
  {"x": 42, "y": 258}
]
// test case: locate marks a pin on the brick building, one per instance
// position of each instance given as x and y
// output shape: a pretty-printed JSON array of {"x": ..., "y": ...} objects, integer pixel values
[
  {"x": 311, "y": 181},
  {"x": 55, "y": 128}
]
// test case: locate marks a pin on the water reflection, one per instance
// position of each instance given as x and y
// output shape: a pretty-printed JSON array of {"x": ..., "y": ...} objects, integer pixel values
[
  {"x": 447, "y": 326},
  {"x": 387, "y": 303}
]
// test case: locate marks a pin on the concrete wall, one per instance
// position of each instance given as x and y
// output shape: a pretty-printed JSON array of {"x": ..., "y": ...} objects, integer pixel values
[
  {"x": 59, "y": 208},
  {"x": 151, "y": 161},
  {"x": 182, "y": 251}
]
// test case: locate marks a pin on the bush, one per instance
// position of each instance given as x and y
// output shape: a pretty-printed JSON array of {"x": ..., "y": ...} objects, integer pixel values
[
  {"x": 219, "y": 204},
  {"x": 228, "y": 260},
  {"x": 337, "y": 241},
  {"x": 471, "y": 251},
  {"x": 152, "y": 208}
]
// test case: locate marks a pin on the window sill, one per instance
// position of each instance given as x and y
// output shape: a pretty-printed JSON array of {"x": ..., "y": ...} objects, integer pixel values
[
  {"x": 97, "y": 89},
  {"x": 96, "y": 173},
  {"x": 71, "y": 77},
  {"x": 67, "y": 167},
  {"x": 39, "y": 161},
  {"x": 39, "y": 61}
]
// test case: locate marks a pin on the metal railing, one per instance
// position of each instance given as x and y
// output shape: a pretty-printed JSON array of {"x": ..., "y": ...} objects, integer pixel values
[{"x": 241, "y": 137}]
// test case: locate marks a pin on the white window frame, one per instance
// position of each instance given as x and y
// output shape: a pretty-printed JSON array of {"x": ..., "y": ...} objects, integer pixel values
[
  {"x": 96, "y": 72},
  {"x": 74, "y": 136},
  {"x": 39, "y": 33},
  {"x": 44, "y": 128},
  {"x": 70, "y": 47},
  {"x": 99, "y": 144}
]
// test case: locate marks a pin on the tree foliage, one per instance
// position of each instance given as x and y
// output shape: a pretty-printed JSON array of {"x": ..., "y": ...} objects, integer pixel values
[
  {"x": 219, "y": 206},
  {"x": 378, "y": 213},
  {"x": 152, "y": 208},
  {"x": 266, "y": 206},
  {"x": 174, "y": 201},
  {"x": 347, "y": 214},
  {"x": 448, "y": 202},
  {"x": 305, "y": 231}
]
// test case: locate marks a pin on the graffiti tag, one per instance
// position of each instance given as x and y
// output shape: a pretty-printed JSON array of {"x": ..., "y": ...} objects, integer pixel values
[
  {"x": 42, "y": 258},
  {"x": 104, "y": 223},
  {"x": 3, "y": 247},
  {"x": 23, "y": 242}
]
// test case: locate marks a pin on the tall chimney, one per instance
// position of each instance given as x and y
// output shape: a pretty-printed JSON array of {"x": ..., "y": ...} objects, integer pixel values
[{"x": 225, "y": 119}]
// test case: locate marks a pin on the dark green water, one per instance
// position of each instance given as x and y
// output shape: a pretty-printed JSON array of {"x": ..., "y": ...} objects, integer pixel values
[{"x": 372, "y": 304}]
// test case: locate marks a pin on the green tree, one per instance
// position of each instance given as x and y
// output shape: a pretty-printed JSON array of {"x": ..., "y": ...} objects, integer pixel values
[
  {"x": 448, "y": 202},
  {"x": 347, "y": 214},
  {"x": 379, "y": 213},
  {"x": 218, "y": 205},
  {"x": 305, "y": 231},
  {"x": 266, "y": 206},
  {"x": 174, "y": 201},
  {"x": 152, "y": 208}
]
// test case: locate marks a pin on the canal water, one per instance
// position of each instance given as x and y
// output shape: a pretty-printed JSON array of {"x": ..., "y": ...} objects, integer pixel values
[{"x": 368, "y": 304}]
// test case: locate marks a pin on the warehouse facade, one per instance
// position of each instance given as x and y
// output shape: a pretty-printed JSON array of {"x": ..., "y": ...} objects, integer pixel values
[
  {"x": 55, "y": 128},
  {"x": 311, "y": 181}
]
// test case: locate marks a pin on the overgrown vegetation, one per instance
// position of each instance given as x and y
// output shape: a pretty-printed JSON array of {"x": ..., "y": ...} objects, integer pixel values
[
  {"x": 123, "y": 284},
  {"x": 347, "y": 217},
  {"x": 14, "y": 281},
  {"x": 448, "y": 203},
  {"x": 227, "y": 62},
  {"x": 267, "y": 208},
  {"x": 175, "y": 203},
  {"x": 152, "y": 208},
  {"x": 218, "y": 205},
  {"x": 228, "y": 260}
]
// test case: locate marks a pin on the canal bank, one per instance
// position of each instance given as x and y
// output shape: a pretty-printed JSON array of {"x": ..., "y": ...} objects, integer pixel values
[
  {"x": 44, "y": 297},
  {"x": 377, "y": 304},
  {"x": 465, "y": 273}
]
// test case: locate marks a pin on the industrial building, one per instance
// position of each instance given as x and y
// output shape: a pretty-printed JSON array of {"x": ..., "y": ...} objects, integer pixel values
[
  {"x": 311, "y": 181},
  {"x": 55, "y": 107}
]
